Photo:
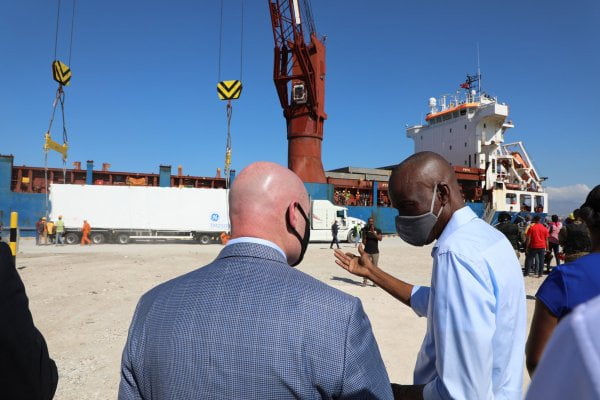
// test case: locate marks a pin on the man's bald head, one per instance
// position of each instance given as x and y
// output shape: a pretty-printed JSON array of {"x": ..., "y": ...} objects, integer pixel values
[
  {"x": 263, "y": 203},
  {"x": 412, "y": 184},
  {"x": 426, "y": 168}
]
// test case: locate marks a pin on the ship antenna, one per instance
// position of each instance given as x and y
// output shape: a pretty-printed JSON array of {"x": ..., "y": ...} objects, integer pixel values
[{"x": 478, "y": 72}]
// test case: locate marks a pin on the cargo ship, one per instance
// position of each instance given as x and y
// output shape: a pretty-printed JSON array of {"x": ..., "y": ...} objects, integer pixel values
[{"x": 469, "y": 130}]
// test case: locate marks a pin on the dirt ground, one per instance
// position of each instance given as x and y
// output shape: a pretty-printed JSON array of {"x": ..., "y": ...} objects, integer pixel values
[{"x": 83, "y": 298}]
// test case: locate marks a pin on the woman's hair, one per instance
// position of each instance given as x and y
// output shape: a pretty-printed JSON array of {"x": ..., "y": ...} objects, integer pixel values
[
  {"x": 590, "y": 210},
  {"x": 555, "y": 218}
]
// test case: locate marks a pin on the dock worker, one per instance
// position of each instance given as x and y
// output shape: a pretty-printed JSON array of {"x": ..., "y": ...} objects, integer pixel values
[
  {"x": 247, "y": 325},
  {"x": 224, "y": 238},
  {"x": 85, "y": 233},
  {"x": 475, "y": 306},
  {"x": 50, "y": 230},
  {"x": 39, "y": 231},
  {"x": 60, "y": 230},
  {"x": 44, "y": 233}
]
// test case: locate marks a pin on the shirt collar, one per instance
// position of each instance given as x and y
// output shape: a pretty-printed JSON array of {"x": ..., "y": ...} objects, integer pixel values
[
  {"x": 458, "y": 219},
  {"x": 248, "y": 239}
]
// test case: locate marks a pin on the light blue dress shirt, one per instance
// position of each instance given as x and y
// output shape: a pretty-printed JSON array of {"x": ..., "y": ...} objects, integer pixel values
[{"x": 476, "y": 315}]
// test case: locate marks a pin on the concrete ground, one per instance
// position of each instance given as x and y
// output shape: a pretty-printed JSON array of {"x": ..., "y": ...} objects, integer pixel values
[{"x": 82, "y": 300}]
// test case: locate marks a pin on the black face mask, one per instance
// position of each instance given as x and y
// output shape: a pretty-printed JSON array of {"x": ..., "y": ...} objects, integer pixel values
[{"x": 303, "y": 240}]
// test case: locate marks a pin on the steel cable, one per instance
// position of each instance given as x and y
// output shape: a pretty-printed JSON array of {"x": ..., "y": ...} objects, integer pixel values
[{"x": 57, "y": 25}]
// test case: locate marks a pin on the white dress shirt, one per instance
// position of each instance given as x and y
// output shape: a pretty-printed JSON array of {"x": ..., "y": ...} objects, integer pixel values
[
  {"x": 476, "y": 315},
  {"x": 570, "y": 365}
]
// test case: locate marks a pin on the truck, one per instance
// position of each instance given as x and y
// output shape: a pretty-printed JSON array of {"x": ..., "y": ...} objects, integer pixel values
[
  {"x": 324, "y": 213},
  {"x": 124, "y": 214}
]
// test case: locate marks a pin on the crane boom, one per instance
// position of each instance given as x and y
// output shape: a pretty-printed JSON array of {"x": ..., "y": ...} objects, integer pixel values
[{"x": 299, "y": 76}]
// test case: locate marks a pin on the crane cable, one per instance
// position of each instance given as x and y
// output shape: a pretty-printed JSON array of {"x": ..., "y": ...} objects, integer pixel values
[
  {"x": 231, "y": 89},
  {"x": 61, "y": 74}
]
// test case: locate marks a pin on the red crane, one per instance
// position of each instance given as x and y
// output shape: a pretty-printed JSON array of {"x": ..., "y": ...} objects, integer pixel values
[{"x": 299, "y": 76}]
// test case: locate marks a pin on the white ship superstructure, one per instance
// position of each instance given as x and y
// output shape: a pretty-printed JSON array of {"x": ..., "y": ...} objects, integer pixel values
[{"x": 468, "y": 130}]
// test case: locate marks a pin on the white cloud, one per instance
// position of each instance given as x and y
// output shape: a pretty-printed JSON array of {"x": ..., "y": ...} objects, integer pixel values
[{"x": 564, "y": 199}]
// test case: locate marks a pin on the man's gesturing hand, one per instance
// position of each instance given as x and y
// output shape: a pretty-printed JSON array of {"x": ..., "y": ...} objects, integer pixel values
[{"x": 357, "y": 265}]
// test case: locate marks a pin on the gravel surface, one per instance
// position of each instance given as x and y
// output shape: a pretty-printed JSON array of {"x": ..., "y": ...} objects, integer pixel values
[{"x": 82, "y": 300}]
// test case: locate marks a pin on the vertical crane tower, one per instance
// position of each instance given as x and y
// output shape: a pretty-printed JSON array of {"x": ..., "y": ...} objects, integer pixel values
[{"x": 299, "y": 76}]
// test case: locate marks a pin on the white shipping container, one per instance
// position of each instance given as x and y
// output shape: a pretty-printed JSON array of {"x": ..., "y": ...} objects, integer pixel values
[{"x": 140, "y": 207}]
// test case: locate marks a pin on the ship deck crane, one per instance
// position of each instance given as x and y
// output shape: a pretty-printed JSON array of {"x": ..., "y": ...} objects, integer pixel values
[{"x": 299, "y": 76}]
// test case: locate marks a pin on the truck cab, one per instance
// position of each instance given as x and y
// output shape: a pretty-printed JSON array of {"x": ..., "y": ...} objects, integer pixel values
[{"x": 323, "y": 214}]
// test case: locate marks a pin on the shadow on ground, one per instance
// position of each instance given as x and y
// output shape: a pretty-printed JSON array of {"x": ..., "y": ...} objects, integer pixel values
[{"x": 347, "y": 280}]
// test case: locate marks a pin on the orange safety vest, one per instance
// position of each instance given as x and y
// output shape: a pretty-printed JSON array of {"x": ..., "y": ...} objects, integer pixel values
[{"x": 224, "y": 238}]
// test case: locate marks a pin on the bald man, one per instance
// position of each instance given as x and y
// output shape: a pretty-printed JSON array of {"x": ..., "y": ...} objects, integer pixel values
[
  {"x": 475, "y": 307},
  {"x": 247, "y": 326}
]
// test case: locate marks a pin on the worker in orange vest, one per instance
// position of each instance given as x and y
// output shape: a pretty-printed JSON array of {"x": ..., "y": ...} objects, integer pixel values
[
  {"x": 85, "y": 233},
  {"x": 225, "y": 238}
]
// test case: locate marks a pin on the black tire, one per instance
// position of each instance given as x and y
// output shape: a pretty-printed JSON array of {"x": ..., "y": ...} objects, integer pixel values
[
  {"x": 204, "y": 239},
  {"x": 350, "y": 237},
  {"x": 97, "y": 238},
  {"x": 122, "y": 238},
  {"x": 72, "y": 238}
]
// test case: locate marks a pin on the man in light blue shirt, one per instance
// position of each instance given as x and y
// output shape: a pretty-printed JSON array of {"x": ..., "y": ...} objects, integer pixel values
[{"x": 475, "y": 306}]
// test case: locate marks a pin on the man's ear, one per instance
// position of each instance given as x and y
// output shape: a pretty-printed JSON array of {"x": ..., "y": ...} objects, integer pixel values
[
  {"x": 291, "y": 214},
  {"x": 443, "y": 193}
]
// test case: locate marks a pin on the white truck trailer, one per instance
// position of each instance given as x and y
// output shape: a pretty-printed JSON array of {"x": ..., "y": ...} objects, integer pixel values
[{"x": 123, "y": 214}]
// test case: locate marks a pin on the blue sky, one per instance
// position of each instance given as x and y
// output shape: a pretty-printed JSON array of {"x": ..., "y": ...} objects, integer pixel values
[{"x": 144, "y": 75}]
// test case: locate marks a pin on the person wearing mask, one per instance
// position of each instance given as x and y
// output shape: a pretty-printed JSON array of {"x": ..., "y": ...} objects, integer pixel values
[
  {"x": 575, "y": 238},
  {"x": 248, "y": 326},
  {"x": 567, "y": 286},
  {"x": 371, "y": 238},
  {"x": 475, "y": 307}
]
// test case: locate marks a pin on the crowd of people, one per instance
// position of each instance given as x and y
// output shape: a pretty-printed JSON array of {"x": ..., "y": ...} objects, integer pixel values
[
  {"x": 249, "y": 326},
  {"x": 356, "y": 197},
  {"x": 547, "y": 241},
  {"x": 50, "y": 232}
]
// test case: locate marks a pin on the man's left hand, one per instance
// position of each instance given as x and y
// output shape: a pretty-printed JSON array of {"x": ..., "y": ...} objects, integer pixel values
[{"x": 357, "y": 265}]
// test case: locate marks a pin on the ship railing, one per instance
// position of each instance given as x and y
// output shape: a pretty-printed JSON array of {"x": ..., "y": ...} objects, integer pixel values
[{"x": 517, "y": 147}]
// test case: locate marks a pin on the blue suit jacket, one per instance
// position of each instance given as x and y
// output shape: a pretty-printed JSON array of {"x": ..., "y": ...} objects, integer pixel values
[{"x": 248, "y": 326}]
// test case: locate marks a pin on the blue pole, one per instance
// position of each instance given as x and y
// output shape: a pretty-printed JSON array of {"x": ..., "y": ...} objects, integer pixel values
[
  {"x": 89, "y": 176},
  {"x": 375, "y": 186},
  {"x": 164, "y": 177}
]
